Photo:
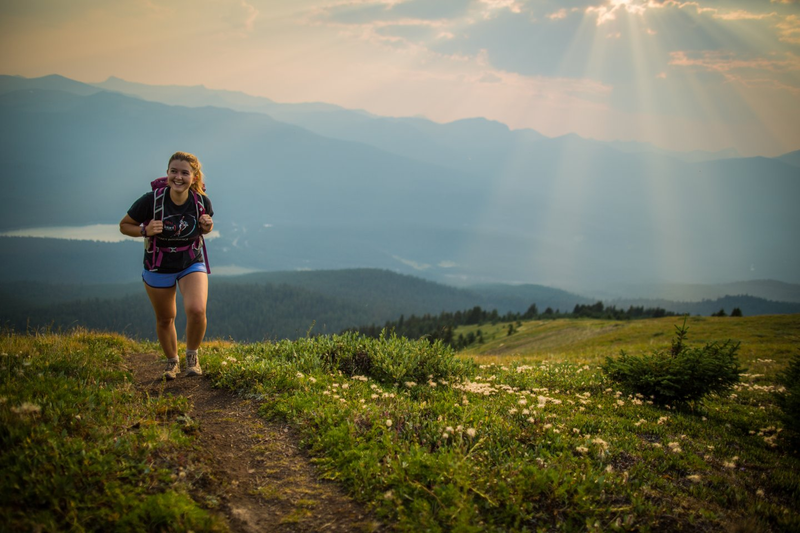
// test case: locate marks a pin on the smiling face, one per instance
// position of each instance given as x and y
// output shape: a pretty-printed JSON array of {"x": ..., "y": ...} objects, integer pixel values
[{"x": 179, "y": 175}]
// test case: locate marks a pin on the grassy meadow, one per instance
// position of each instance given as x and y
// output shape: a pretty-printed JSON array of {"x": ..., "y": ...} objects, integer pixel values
[
  {"x": 521, "y": 433},
  {"x": 82, "y": 449}
]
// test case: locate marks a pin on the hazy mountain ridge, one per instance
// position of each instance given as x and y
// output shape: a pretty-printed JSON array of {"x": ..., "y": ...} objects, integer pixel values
[
  {"x": 777, "y": 291},
  {"x": 564, "y": 211},
  {"x": 382, "y": 132},
  {"x": 749, "y": 305},
  {"x": 792, "y": 158}
]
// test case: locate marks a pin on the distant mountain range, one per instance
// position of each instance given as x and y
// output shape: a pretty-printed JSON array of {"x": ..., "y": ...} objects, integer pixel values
[
  {"x": 315, "y": 186},
  {"x": 695, "y": 292},
  {"x": 462, "y": 144}
]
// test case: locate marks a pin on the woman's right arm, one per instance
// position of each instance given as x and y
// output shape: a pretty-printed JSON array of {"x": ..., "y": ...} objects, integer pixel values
[{"x": 131, "y": 228}]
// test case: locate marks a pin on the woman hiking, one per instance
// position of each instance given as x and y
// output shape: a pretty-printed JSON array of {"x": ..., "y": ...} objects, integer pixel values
[{"x": 173, "y": 219}]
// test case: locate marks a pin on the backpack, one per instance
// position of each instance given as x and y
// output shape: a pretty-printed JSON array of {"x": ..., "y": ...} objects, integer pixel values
[{"x": 159, "y": 187}]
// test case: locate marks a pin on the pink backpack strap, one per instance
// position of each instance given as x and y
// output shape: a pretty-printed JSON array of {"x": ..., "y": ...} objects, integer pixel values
[
  {"x": 201, "y": 210},
  {"x": 158, "y": 214}
]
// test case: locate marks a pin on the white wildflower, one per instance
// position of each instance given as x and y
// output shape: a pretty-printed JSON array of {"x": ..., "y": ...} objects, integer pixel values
[
  {"x": 27, "y": 408},
  {"x": 675, "y": 447}
]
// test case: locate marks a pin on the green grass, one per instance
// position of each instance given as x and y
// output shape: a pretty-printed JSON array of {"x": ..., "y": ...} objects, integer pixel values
[
  {"x": 527, "y": 436},
  {"x": 537, "y": 443},
  {"x": 591, "y": 341},
  {"x": 82, "y": 450}
]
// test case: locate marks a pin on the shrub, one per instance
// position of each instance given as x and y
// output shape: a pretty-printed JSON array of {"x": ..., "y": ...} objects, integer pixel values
[
  {"x": 680, "y": 375},
  {"x": 389, "y": 359},
  {"x": 789, "y": 399}
]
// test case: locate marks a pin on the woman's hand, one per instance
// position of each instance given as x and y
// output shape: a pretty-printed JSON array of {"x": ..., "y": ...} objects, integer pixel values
[
  {"x": 154, "y": 228},
  {"x": 206, "y": 224},
  {"x": 131, "y": 228}
]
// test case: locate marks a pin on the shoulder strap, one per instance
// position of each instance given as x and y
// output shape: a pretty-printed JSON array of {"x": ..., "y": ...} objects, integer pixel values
[
  {"x": 158, "y": 214},
  {"x": 158, "y": 203},
  {"x": 200, "y": 205}
]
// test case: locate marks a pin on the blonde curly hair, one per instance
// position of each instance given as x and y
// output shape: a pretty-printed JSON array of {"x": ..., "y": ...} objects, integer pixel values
[{"x": 198, "y": 185}]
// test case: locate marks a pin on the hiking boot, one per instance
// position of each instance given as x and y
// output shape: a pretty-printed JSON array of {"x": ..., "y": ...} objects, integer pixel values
[
  {"x": 172, "y": 370},
  {"x": 193, "y": 365}
]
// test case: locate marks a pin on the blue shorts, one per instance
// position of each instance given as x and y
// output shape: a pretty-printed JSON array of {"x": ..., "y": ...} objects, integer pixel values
[{"x": 161, "y": 280}]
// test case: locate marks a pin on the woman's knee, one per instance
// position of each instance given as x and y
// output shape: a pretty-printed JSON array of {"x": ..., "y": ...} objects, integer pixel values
[
  {"x": 196, "y": 312},
  {"x": 165, "y": 321}
]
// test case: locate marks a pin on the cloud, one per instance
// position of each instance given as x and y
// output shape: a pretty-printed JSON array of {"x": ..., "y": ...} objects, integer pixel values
[
  {"x": 490, "y": 77},
  {"x": 741, "y": 14},
  {"x": 748, "y": 71},
  {"x": 370, "y": 11},
  {"x": 562, "y": 13},
  {"x": 412, "y": 264},
  {"x": 608, "y": 12},
  {"x": 789, "y": 29},
  {"x": 251, "y": 14},
  {"x": 494, "y": 5}
]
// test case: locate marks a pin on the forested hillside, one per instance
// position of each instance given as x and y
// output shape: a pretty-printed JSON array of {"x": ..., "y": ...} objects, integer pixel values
[
  {"x": 290, "y": 304},
  {"x": 252, "y": 307},
  {"x": 246, "y": 312}
]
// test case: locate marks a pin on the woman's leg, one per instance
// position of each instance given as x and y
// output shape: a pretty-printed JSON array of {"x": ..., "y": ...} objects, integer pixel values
[
  {"x": 194, "y": 288},
  {"x": 163, "y": 301}
]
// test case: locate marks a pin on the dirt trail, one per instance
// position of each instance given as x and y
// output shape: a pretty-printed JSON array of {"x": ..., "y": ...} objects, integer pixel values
[{"x": 254, "y": 472}]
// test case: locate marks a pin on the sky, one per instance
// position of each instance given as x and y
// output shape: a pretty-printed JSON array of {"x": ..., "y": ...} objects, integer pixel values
[{"x": 694, "y": 75}]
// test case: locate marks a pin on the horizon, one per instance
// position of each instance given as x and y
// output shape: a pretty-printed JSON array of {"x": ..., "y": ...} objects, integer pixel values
[
  {"x": 729, "y": 152},
  {"x": 709, "y": 75}
]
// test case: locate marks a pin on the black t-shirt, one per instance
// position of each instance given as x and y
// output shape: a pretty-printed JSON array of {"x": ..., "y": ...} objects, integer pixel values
[{"x": 180, "y": 229}]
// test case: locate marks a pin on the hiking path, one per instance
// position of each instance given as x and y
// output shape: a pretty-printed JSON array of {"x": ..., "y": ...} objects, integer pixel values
[{"x": 252, "y": 472}]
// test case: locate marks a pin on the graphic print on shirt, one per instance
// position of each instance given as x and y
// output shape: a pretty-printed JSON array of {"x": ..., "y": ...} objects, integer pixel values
[{"x": 179, "y": 226}]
